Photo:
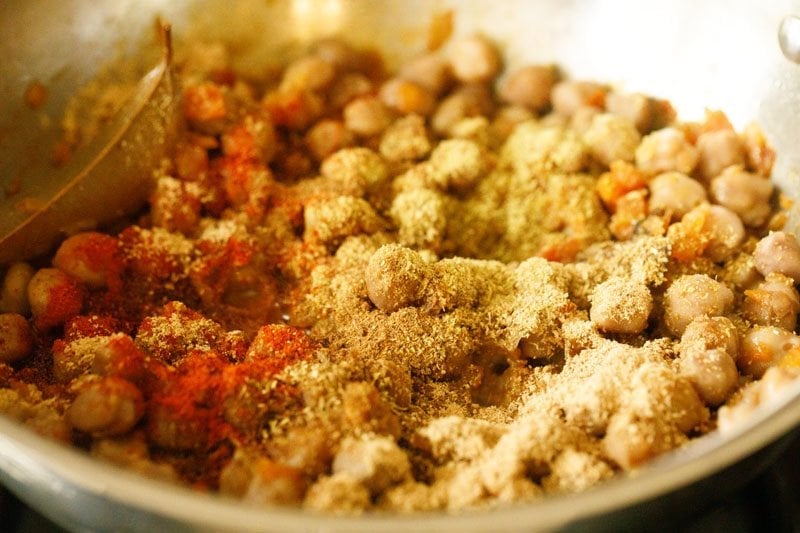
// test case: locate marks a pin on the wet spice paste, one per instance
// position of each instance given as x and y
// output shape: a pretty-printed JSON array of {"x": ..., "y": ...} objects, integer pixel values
[{"x": 442, "y": 288}]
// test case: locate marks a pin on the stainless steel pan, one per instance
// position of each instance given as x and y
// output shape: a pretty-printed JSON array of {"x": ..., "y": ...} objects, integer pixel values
[{"x": 718, "y": 54}]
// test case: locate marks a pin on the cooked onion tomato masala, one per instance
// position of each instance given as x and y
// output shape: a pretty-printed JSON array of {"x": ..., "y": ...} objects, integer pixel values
[{"x": 448, "y": 286}]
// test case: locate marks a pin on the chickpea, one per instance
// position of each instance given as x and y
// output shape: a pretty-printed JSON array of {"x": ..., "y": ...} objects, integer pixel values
[
  {"x": 529, "y": 87},
  {"x": 430, "y": 71},
  {"x": 252, "y": 138},
  {"x": 717, "y": 151},
  {"x": 206, "y": 107},
  {"x": 377, "y": 462},
  {"x": 326, "y": 137},
  {"x": 421, "y": 218},
  {"x": 569, "y": 96},
  {"x": 724, "y": 230},
  {"x": 475, "y": 129},
  {"x": 474, "y": 59},
  {"x": 712, "y": 372},
  {"x": 406, "y": 139},
  {"x": 710, "y": 333},
  {"x": 367, "y": 116},
  {"x": 331, "y": 220},
  {"x": 274, "y": 483},
  {"x": 169, "y": 430},
  {"x": 395, "y": 277},
  {"x": 637, "y": 108},
  {"x": 91, "y": 257},
  {"x": 458, "y": 163},
  {"x": 621, "y": 305},
  {"x": 407, "y": 97},
  {"x": 310, "y": 73},
  {"x": 778, "y": 252},
  {"x": 507, "y": 119},
  {"x": 339, "y": 54},
  {"x": 357, "y": 171},
  {"x": 106, "y": 407},
  {"x": 691, "y": 296},
  {"x": 16, "y": 341},
  {"x": 631, "y": 441},
  {"x": 762, "y": 347},
  {"x": 347, "y": 88},
  {"x": 175, "y": 204},
  {"x": 338, "y": 494},
  {"x": 581, "y": 120},
  {"x": 191, "y": 161},
  {"x": 774, "y": 302},
  {"x": 14, "y": 294},
  {"x": 466, "y": 101},
  {"x": 664, "y": 150},
  {"x": 660, "y": 392},
  {"x": 305, "y": 448},
  {"x": 676, "y": 193},
  {"x": 611, "y": 138},
  {"x": 745, "y": 194},
  {"x": 54, "y": 296}
]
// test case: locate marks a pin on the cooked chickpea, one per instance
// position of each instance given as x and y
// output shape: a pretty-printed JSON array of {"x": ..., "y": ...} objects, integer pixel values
[
  {"x": 421, "y": 218},
  {"x": 676, "y": 193},
  {"x": 745, "y": 194},
  {"x": 637, "y": 108},
  {"x": 466, "y": 101},
  {"x": 691, "y": 296},
  {"x": 90, "y": 257},
  {"x": 367, "y": 116},
  {"x": 458, "y": 163},
  {"x": 710, "y": 333},
  {"x": 305, "y": 448},
  {"x": 407, "y": 97},
  {"x": 338, "y": 494},
  {"x": 631, "y": 441},
  {"x": 569, "y": 96},
  {"x": 310, "y": 73},
  {"x": 717, "y": 151},
  {"x": 357, "y": 171},
  {"x": 430, "y": 71},
  {"x": 529, "y": 86},
  {"x": 581, "y": 120},
  {"x": 712, "y": 372},
  {"x": 378, "y": 462},
  {"x": 660, "y": 392},
  {"x": 611, "y": 138},
  {"x": 330, "y": 220},
  {"x": 14, "y": 294},
  {"x": 405, "y": 139},
  {"x": 724, "y": 230},
  {"x": 774, "y": 302},
  {"x": 326, "y": 137},
  {"x": 621, "y": 305},
  {"x": 338, "y": 53},
  {"x": 762, "y": 347},
  {"x": 474, "y": 59},
  {"x": 506, "y": 119},
  {"x": 54, "y": 296},
  {"x": 778, "y": 252},
  {"x": 274, "y": 483},
  {"x": 167, "y": 429},
  {"x": 16, "y": 341},
  {"x": 395, "y": 277},
  {"x": 253, "y": 137},
  {"x": 664, "y": 150},
  {"x": 347, "y": 88},
  {"x": 106, "y": 407}
]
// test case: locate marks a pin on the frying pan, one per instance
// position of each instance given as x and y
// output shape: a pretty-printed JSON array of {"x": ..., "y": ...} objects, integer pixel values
[{"x": 716, "y": 54}]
